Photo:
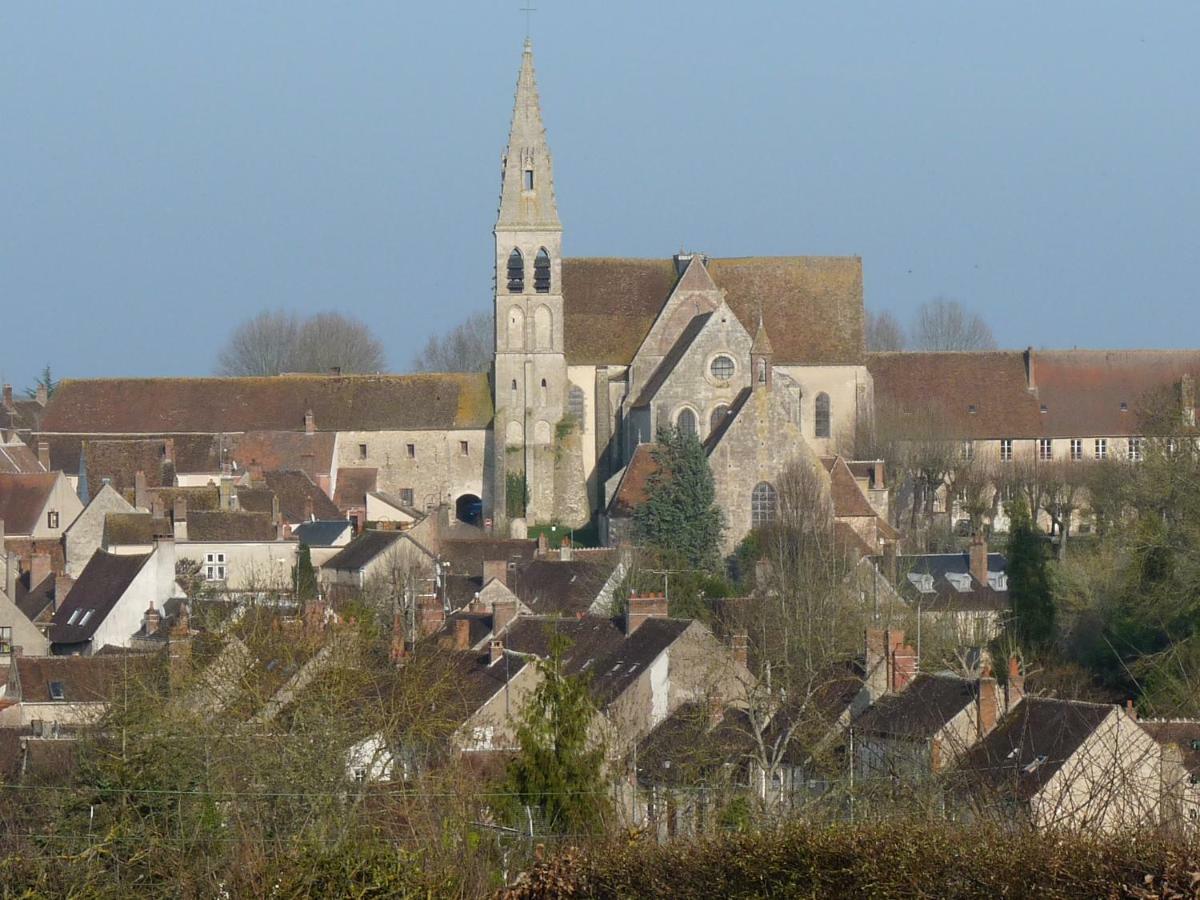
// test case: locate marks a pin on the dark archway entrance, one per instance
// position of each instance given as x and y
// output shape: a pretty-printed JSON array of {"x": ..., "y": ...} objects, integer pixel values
[{"x": 468, "y": 508}]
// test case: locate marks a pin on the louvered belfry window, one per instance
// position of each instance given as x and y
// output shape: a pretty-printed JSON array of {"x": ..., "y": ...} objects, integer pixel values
[
  {"x": 516, "y": 272},
  {"x": 541, "y": 272}
]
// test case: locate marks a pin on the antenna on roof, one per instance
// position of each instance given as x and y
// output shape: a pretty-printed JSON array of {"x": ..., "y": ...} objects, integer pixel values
[{"x": 529, "y": 11}]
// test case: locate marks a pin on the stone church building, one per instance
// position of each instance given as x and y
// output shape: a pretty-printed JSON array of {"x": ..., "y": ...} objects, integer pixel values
[{"x": 761, "y": 357}]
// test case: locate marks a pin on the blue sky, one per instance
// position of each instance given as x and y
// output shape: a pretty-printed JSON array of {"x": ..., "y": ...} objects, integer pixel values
[{"x": 169, "y": 169}]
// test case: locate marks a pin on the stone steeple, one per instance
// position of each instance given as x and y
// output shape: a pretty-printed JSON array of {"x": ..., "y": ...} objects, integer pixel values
[
  {"x": 527, "y": 176},
  {"x": 760, "y": 357}
]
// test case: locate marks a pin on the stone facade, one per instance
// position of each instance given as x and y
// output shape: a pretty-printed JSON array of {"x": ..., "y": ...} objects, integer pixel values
[{"x": 86, "y": 534}]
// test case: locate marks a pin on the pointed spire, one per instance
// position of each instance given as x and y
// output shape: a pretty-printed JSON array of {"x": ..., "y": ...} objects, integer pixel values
[
  {"x": 762, "y": 343},
  {"x": 527, "y": 181}
]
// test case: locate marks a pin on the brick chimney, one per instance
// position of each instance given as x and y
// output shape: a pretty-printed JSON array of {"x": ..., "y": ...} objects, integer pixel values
[
  {"x": 169, "y": 450},
  {"x": 503, "y": 612},
  {"x": 642, "y": 608},
  {"x": 8, "y": 400},
  {"x": 904, "y": 662},
  {"x": 495, "y": 568},
  {"x": 495, "y": 651},
  {"x": 987, "y": 705},
  {"x": 179, "y": 518},
  {"x": 877, "y": 476},
  {"x": 39, "y": 569},
  {"x": 140, "y": 500},
  {"x": 153, "y": 620},
  {"x": 431, "y": 614},
  {"x": 978, "y": 558},
  {"x": 462, "y": 634},
  {"x": 43, "y": 451},
  {"x": 310, "y": 422},
  {"x": 739, "y": 645},
  {"x": 1014, "y": 687},
  {"x": 564, "y": 549}
]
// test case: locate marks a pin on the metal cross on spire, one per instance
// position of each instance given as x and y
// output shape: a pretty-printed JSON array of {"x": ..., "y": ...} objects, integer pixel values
[{"x": 529, "y": 10}]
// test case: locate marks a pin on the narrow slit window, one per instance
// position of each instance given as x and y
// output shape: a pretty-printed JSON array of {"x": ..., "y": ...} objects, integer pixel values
[{"x": 529, "y": 179}]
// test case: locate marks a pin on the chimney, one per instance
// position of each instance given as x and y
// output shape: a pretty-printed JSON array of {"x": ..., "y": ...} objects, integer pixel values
[
  {"x": 309, "y": 514},
  {"x": 39, "y": 569},
  {"x": 1014, "y": 687},
  {"x": 179, "y": 518},
  {"x": 140, "y": 499},
  {"x": 153, "y": 620},
  {"x": 164, "y": 555},
  {"x": 62, "y": 586},
  {"x": 739, "y": 644},
  {"x": 987, "y": 705},
  {"x": 158, "y": 509},
  {"x": 649, "y": 606},
  {"x": 1030, "y": 379},
  {"x": 1131, "y": 710},
  {"x": 462, "y": 634},
  {"x": 43, "y": 450},
  {"x": 42, "y": 396},
  {"x": 10, "y": 576},
  {"x": 495, "y": 568},
  {"x": 281, "y": 529},
  {"x": 310, "y": 422},
  {"x": 503, "y": 612},
  {"x": 978, "y": 559},
  {"x": 878, "y": 481},
  {"x": 432, "y": 614},
  {"x": 8, "y": 400},
  {"x": 495, "y": 651},
  {"x": 904, "y": 664},
  {"x": 564, "y": 549},
  {"x": 226, "y": 495},
  {"x": 543, "y": 544},
  {"x": 397, "y": 650},
  {"x": 169, "y": 450}
]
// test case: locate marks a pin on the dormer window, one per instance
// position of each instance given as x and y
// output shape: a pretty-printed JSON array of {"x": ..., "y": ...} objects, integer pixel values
[{"x": 528, "y": 182}]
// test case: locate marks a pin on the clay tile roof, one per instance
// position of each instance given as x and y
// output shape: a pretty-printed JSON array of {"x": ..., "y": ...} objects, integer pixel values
[
  {"x": 211, "y": 405},
  {"x": 17, "y": 459},
  {"x": 100, "y": 585},
  {"x": 1184, "y": 734},
  {"x": 921, "y": 710},
  {"x": 84, "y": 679},
  {"x": 191, "y": 453},
  {"x": 1030, "y": 744},
  {"x": 230, "y": 525},
  {"x": 119, "y": 461},
  {"x": 133, "y": 529},
  {"x": 631, "y": 490},
  {"x": 848, "y": 498},
  {"x": 255, "y": 499},
  {"x": 203, "y": 497},
  {"x": 284, "y": 450},
  {"x": 353, "y": 485},
  {"x": 294, "y": 488},
  {"x": 22, "y": 499},
  {"x": 811, "y": 305}
]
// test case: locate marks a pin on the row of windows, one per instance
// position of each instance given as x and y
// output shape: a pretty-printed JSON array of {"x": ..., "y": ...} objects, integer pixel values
[
  {"x": 685, "y": 418},
  {"x": 516, "y": 272},
  {"x": 1045, "y": 449},
  {"x": 410, "y": 450}
]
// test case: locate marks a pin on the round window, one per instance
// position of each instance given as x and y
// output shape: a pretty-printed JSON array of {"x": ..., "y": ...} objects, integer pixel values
[{"x": 722, "y": 368}]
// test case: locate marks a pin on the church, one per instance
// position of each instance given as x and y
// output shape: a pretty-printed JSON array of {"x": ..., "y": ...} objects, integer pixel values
[{"x": 761, "y": 358}]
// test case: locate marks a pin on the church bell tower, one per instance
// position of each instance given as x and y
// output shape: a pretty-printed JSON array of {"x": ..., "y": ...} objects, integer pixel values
[{"x": 530, "y": 368}]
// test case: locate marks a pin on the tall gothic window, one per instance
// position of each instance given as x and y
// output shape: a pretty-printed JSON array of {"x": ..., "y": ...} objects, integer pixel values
[
  {"x": 686, "y": 421},
  {"x": 541, "y": 272},
  {"x": 822, "y": 416},
  {"x": 516, "y": 272},
  {"x": 718, "y": 416},
  {"x": 544, "y": 392},
  {"x": 764, "y": 503}
]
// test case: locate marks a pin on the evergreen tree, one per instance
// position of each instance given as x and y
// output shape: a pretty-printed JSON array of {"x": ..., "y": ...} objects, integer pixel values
[
  {"x": 305, "y": 575},
  {"x": 47, "y": 381},
  {"x": 558, "y": 770},
  {"x": 1028, "y": 579},
  {"x": 680, "y": 518}
]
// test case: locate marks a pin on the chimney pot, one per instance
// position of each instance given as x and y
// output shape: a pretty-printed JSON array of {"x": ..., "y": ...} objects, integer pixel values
[
  {"x": 153, "y": 620},
  {"x": 495, "y": 651}
]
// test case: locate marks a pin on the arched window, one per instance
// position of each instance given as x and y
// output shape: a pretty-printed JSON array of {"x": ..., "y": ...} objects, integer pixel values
[
  {"x": 514, "y": 387},
  {"x": 577, "y": 404},
  {"x": 514, "y": 434},
  {"x": 541, "y": 432},
  {"x": 541, "y": 272},
  {"x": 544, "y": 392},
  {"x": 516, "y": 272},
  {"x": 764, "y": 502},
  {"x": 718, "y": 416},
  {"x": 821, "y": 416},
  {"x": 516, "y": 329},
  {"x": 543, "y": 328},
  {"x": 762, "y": 371},
  {"x": 686, "y": 421}
]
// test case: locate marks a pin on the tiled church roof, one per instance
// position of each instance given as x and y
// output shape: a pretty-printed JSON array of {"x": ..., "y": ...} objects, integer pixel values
[{"x": 811, "y": 305}]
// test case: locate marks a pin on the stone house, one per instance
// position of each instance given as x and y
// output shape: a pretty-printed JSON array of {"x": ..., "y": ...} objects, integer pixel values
[
  {"x": 36, "y": 509},
  {"x": 85, "y": 535},
  {"x": 53, "y": 693},
  {"x": 1180, "y": 743},
  {"x": 391, "y": 555},
  {"x": 1065, "y": 764}
]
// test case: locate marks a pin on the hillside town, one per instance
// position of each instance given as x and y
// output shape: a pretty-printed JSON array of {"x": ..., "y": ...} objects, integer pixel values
[{"x": 688, "y": 557}]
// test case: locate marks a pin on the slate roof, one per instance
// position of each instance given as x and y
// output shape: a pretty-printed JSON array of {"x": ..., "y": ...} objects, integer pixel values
[
  {"x": 598, "y": 647},
  {"x": 688, "y": 747},
  {"x": 1082, "y": 391},
  {"x": 212, "y": 405},
  {"x": 230, "y": 525},
  {"x": 681, "y": 346},
  {"x": 353, "y": 485},
  {"x": 1009, "y": 759},
  {"x": 22, "y": 499},
  {"x": 320, "y": 533},
  {"x": 811, "y": 305},
  {"x": 1183, "y": 733},
  {"x": 945, "y": 596},
  {"x": 294, "y": 488},
  {"x": 554, "y": 587},
  {"x": 100, "y": 585},
  {"x": 466, "y": 557},
  {"x": 921, "y": 710},
  {"x": 17, "y": 459},
  {"x": 360, "y": 551},
  {"x": 32, "y": 600}
]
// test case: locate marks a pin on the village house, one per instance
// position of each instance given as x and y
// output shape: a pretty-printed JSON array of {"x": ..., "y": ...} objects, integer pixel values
[{"x": 36, "y": 509}]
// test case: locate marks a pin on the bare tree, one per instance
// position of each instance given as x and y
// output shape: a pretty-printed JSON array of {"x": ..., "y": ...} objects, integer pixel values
[
  {"x": 884, "y": 332},
  {"x": 467, "y": 347},
  {"x": 277, "y": 341},
  {"x": 944, "y": 324}
]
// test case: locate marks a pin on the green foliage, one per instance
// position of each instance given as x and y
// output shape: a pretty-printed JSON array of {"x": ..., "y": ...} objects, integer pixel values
[
  {"x": 1028, "y": 579},
  {"x": 558, "y": 770},
  {"x": 690, "y": 592},
  {"x": 304, "y": 575},
  {"x": 46, "y": 380},
  {"x": 587, "y": 536},
  {"x": 680, "y": 517},
  {"x": 516, "y": 494}
]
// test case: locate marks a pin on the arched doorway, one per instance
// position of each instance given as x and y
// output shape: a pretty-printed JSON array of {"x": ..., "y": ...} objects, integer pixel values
[{"x": 468, "y": 508}]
